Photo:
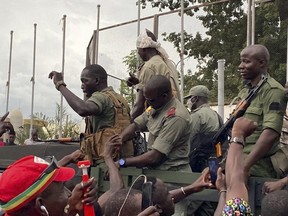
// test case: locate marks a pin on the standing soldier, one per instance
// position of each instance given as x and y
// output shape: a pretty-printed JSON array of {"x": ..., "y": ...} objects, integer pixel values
[{"x": 106, "y": 112}]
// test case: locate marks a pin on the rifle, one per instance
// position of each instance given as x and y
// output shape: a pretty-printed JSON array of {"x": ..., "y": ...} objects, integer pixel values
[
  {"x": 240, "y": 109},
  {"x": 61, "y": 140}
]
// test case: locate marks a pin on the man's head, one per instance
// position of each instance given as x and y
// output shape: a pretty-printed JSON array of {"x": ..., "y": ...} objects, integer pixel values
[
  {"x": 131, "y": 207},
  {"x": 93, "y": 78},
  {"x": 160, "y": 194},
  {"x": 275, "y": 203},
  {"x": 31, "y": 184},
  {"x": 34, "y": 134},
  {"x": 197, "y": 96},
  {"x": 157, "y": 91},
  {"x": 147, "y": 46},
  {"x": 254, "y": 62},
  {"x": 12, "y": 137}
]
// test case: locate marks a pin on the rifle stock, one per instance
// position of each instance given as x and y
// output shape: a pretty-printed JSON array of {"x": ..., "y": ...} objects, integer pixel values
[{"x": 240, "y": 109}]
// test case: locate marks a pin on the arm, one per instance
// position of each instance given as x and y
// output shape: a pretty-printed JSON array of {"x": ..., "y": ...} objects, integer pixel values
[
  {"x": 235, "y": 179},
  {"x": 83, "y": 108},
  {"x": 74, "y": 157},
  {"x": 151, "y": 158},
  {"x": 221, "y": 187},
  {"x": 116, "y": 181},
  {"x": 261, "y": 148},
  {"x": 200, "y": 184},
  {"x": 269, "y": 187},
  {"x": 5, "y": 126},
  {"x": 128, "y": 133},
  {"x": 139, "y": 107}
]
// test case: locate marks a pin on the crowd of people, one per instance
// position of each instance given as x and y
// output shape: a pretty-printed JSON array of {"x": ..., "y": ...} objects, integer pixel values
[{"x": 178, "y": 140}]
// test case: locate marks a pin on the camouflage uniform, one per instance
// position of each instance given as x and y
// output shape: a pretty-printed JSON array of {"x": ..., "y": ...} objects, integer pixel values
[
  {"x": 169, "y": 131},
  {"x": 267, "y": 109}
]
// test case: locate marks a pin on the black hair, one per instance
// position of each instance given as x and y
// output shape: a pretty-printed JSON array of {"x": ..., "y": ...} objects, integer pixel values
[
  {"x": 275, "y": 203},
  {"x": 160, "y": 83},
  {"x": 97, "y": 70}
]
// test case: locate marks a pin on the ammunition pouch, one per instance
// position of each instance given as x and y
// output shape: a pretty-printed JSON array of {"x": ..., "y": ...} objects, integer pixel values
[{"x": 93, "y": 144}]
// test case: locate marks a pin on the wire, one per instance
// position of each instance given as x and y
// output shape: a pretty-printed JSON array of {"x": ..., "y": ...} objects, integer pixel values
[{"x": 145, "y": 180}]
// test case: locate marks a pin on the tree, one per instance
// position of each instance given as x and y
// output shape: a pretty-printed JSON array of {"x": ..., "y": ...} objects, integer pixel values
[{"x": 225, "y": 38}]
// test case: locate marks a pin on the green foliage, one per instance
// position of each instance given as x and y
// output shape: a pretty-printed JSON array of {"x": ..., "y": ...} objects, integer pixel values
[{"x": 225, "y": 38}]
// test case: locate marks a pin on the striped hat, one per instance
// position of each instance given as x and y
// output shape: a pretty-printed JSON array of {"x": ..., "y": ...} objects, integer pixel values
[{"x": 26, "y": 178}]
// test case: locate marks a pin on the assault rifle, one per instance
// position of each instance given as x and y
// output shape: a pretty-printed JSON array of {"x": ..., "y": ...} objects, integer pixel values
[{"x": 221, "y": 136}]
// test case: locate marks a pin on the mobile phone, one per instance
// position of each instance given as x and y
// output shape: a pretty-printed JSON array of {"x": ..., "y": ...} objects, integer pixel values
[
  {"x": 146, "y": 195},
  {"x": 213, "y": 167}
]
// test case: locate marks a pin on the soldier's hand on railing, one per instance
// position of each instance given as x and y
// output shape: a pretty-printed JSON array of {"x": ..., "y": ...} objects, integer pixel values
[{"x": 112, "y": 145}]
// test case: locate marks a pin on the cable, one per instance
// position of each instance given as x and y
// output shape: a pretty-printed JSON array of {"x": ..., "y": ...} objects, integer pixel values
[{"x": 145, "y": 180}]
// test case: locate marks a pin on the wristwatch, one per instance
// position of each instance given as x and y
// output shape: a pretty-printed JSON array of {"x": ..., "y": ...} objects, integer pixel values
[
  {"x": 237, "y": 140},
  {"x": 122, "y": 162}
]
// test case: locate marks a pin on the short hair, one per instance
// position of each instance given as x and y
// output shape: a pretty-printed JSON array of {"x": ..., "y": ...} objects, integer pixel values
[
  {"x": 12, "y": 132},
  {"x": 160, "y": 83},
  {"x": 131, "y": 206},
  {"x": 275, "y": 203},
  {"x": 97, "y": 70}
]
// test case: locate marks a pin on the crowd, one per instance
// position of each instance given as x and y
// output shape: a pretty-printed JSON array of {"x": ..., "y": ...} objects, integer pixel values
[{"x": 178, "y": 141}]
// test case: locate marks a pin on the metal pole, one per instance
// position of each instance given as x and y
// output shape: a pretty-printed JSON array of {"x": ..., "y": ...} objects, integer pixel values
[
  {"x": 249, "y": 23},
  {"x": 287, "y": 57},
  {"x": 221, "y": 65},
  {"x": 182, "y": 52},
  {"x": 33, "y": 79},
  {"x": 9, "y": 71},
  {"x": 63, "y": 65},
  {"x": 139, "y": 16},
  {"x": 253, "y": 23},
  {"x": 97, "y": 34}
]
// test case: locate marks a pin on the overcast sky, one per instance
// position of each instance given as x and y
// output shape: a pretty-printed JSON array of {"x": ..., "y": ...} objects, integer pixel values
[{"x": 115, "y": 44}]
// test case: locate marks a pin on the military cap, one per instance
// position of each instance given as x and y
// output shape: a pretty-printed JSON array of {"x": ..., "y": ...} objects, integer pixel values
[{"x": 199, "y": 90}]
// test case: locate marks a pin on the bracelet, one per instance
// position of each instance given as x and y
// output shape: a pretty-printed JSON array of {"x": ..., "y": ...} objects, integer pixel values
[
  {"x": 182, "y": 189},
  {"x": 237, "y": 141},
  {"x": 59, "y": 83},
  {"x": 224, "y": 191}
]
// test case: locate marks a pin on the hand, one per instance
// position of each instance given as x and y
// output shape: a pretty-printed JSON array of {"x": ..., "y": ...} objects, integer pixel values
[
  {"x": 78, "y": 197},
  {"x": 220, "y": 182},
  {"x": 203, "y": 181},
  {"x": 56, "y": 76},
  {"x": 132, "y": 80},
  {"x": 243, "y": 127},
  {"x": 269, "y": 187},
  {"x": 150, "y": 211},
  {"x": 112, "y": 145},
  {"x": 76, "y": 156},
  {"x": 5, "y": 126}
]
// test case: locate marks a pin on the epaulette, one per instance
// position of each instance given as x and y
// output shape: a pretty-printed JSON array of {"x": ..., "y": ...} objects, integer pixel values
[{"x": 171, "y": 112}]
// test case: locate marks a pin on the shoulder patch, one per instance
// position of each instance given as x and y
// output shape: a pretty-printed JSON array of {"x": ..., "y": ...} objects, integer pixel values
[
  {"x": 275, "y": 106},
  {"x": 171, "y": 112}
]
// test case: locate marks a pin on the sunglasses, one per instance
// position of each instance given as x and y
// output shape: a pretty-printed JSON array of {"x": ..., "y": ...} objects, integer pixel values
[{"x": 53, "y": 164}]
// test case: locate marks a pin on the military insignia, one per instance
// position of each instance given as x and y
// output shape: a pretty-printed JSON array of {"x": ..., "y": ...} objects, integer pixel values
[
  {"x": 275, "y": 106},
  {"x": 148, "y": 110},
  {"x": 171, "y": 112}
]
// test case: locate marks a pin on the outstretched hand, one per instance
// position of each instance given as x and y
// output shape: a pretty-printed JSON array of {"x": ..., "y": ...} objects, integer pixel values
[
  {"x": 220, "y": 182},
  {"x": 243, "y": 127},
  {"x": 56, "y": 76}
]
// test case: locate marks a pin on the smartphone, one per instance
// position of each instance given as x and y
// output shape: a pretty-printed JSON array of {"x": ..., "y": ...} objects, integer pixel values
[
  {"x": 213, "y": 167},
  {"x": 146, "y": 195}
]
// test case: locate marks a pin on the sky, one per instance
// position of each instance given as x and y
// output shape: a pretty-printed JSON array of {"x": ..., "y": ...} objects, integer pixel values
[{"x": 20, "y": 16}]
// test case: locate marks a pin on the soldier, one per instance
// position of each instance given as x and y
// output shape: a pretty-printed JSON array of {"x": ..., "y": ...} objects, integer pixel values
[
  {"x": 267, "y": 109},
  {"x": 156, "y": 63},
  {"x": 106, "y": 112},
  {"x": 168, "y": 123},
  {"x": 205, "y": 123}
]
